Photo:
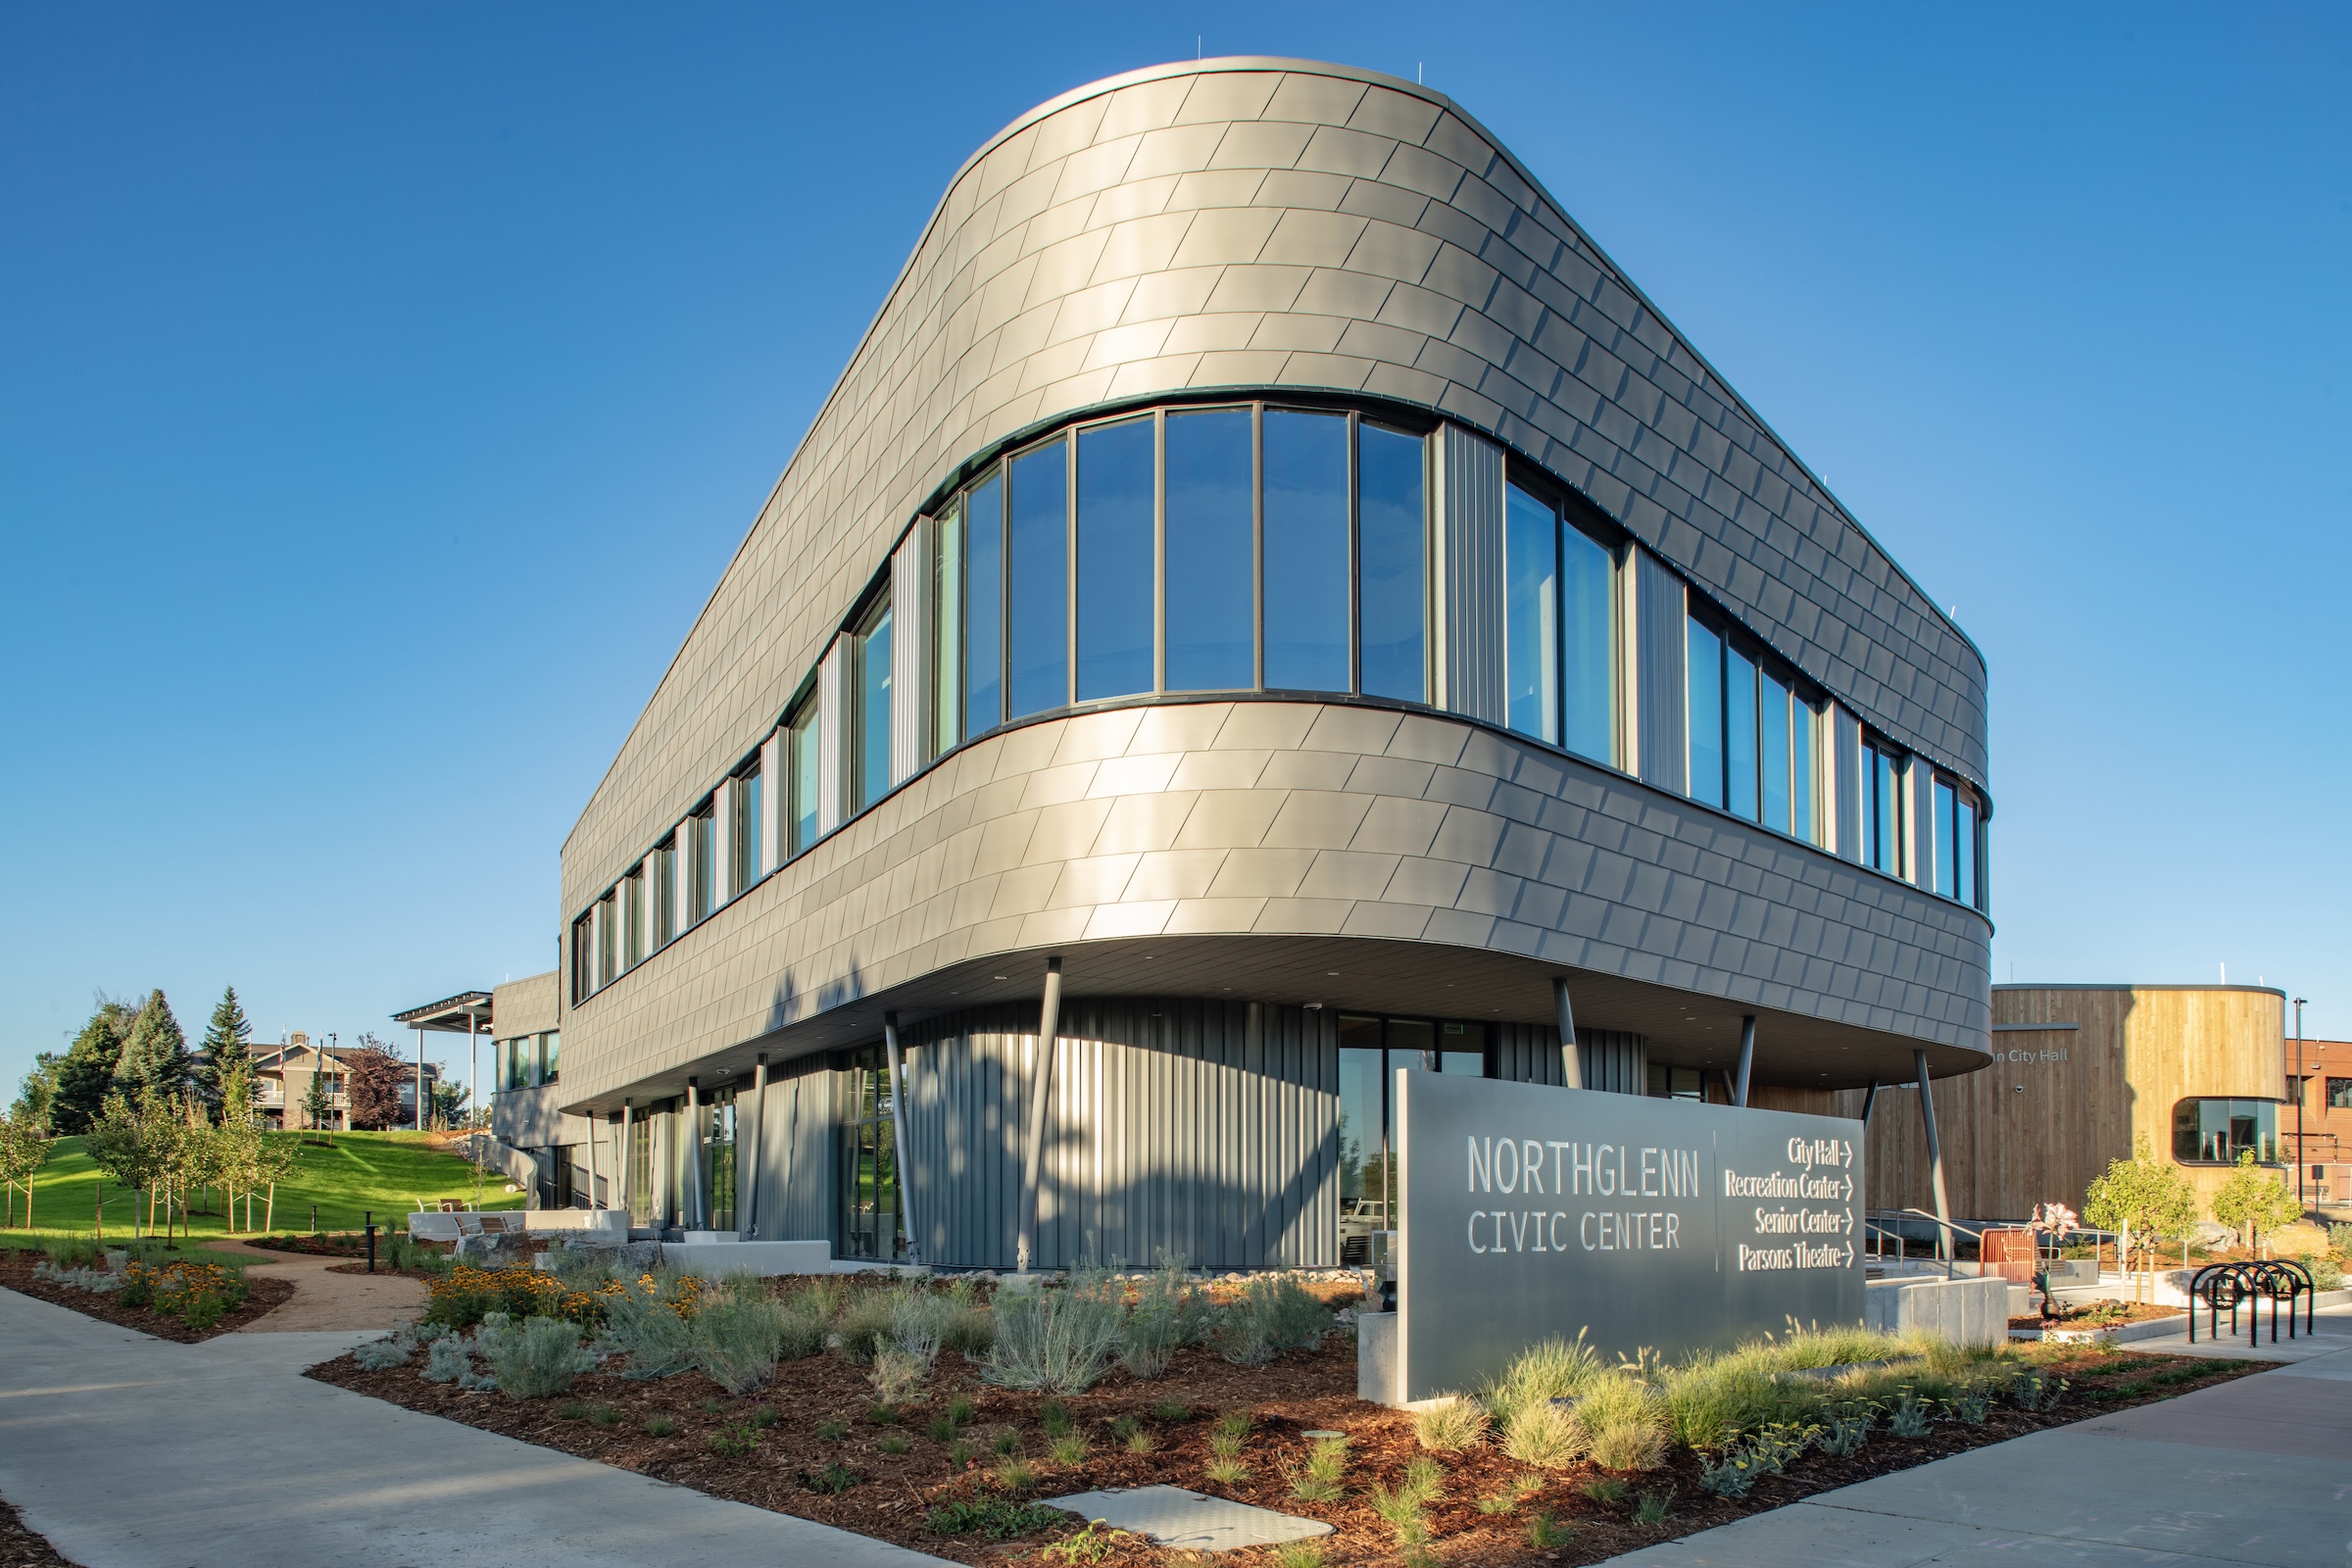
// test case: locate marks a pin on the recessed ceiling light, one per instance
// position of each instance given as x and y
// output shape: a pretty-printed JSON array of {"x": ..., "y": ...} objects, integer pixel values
[
  {"x": 996, "y": 977},
  {"x": 1314, "y": 1006},
  {"x": 1331, "y": 971}
]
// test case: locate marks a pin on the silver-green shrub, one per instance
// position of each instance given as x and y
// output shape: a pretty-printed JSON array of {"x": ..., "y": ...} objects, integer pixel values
[
  {"x": 649, "y": 1331},
  {"x": 377, "y": 1354},
  {"x": 537, "y": 1359},
  {"x": 738, "y": 1335},
  {"x": 1169, "y": 1313},
  {"x": 447, "y": 1361},
  {"x": 1057, "y": 1341},
  {"x": 1273, "y": 1314}
]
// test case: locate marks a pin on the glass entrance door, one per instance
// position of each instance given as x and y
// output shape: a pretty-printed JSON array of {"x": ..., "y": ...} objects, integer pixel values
[
  {"x": 719, "y": 1158},
  {"x": 1370, "y": 1051},
  {"x": 869, "y": 1170}
]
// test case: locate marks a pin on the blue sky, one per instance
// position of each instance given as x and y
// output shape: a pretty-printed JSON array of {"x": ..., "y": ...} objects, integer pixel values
[{"x": 383, "y": 389}]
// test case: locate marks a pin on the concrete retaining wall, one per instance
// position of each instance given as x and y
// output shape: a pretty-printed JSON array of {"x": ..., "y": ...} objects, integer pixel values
[{"x": 1963, "y": 1312}]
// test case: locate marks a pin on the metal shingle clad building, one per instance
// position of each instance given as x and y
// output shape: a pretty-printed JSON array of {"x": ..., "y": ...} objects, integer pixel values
[{"x": 1266, "y": 559}]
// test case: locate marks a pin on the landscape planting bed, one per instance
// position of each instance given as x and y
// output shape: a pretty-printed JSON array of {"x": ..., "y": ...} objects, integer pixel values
[
  {"x": 264, "y": 1295},
  {"x": 892, "y": 1495}
]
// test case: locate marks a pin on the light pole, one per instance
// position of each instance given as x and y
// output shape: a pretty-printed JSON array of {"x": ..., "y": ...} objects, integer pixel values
[{"x": 2302, "y": 1092}]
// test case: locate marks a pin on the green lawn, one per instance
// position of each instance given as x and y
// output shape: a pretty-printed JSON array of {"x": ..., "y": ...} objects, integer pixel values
[{"x": 386, "y": 1172}]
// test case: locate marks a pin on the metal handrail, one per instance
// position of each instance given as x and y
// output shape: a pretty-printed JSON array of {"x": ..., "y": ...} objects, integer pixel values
[{"x": 2229, "y": 1283}]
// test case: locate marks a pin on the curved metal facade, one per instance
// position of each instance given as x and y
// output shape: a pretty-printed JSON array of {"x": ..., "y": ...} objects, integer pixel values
[{"x": 1253, "y": 227}]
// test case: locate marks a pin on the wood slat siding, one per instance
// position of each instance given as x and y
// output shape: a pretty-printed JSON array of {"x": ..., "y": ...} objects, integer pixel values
[
  {"x": 1202, "y": 1128},
  {"x": 2134, "y": 1051}
]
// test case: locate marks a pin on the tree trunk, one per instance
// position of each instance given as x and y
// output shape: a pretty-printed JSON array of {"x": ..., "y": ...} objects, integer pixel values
[{"x": 270, "y": 1209}]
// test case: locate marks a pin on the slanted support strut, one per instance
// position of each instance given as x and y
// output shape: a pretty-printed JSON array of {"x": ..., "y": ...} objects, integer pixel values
[
  {"x": 1748, "y": 1058},
  {"x": 898, "y": 1134},
  {"x": 1927, "y": 1116},
  {"x": 1040, "y": 1085},
  {"x": 1572, "y": 1061}
]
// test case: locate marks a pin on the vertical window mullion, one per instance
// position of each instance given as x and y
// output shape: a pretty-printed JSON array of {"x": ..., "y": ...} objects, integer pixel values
[
  {"x": 1159, "y": 550},
  {"x": 1355, "y": 556},
  {"x": 1257, "y": 544}
]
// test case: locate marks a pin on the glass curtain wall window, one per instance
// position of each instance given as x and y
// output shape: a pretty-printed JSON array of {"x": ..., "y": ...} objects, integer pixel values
[
  {"x": 1117, "y": 550},
  {"x": 1882, "y": 810},
  {"x": 583, "y": 972},
  {"x": 2215, "y": 1132},
  {"x": 869, "y": 707},
  {"x": 744, "y": 830},
  {"x": 944, "y": 725},
  {"x": 801, "y": 741},
  {"x": 1209, "y": 596},
  {"x": 702, "y": 883},
  {"x": 1955, "y": 840},
  {"x": 718, "y": 1157},
  {"x": 662, "y": 880},
  {"x": 1305, "y": 549},
  {"x": 984, "y": 606},
  {"x": 1391, "y": 547},
  {"x": 637, "y": 1183},
  {"x": 869, "y": 1177},
  {"x": 1752, "y": 737},
  {"x": 1038, "y": 600},
  {"x": 551, "y": 1056},
  {"x": 606, "y": 944},
  {"x": 632, "y": 918},
  {"x": 1531, "y": 615}
]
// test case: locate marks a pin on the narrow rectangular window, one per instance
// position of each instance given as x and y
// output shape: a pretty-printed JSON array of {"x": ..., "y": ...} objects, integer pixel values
[
  {"x": 1211, "y": 557},
  {"x": 1531, "y": 588},
  {"x": 1119, "y": 486},
  {"x": 584, "y": 974},
  {"x": 1588, "y": 646},
  {"x": 1391, "y": 546},
  {"x": 1773, "y": 752},
  {"x": 801, "y": 738},
  {"x": 702, "y": 887},
  {"x": 662, "y": 880},
  {"x": 1944, "y": 873},
  {"x": 607, "y": 951},
  {"x": 1038, "y": 622},
  {"x": 1306, "y": 551},
  {"x": 746, "y": 829},
  {"x": 1705, "y": 708},
  {"x": 1804, "y": 800},
  {"x": 550, "y": 1056},
  {"x": 984, "y": 606},
  {"x": 1884, "y": 831},
  {"x": 632, "y": 918},
  {"x": 1739, "y": 733},
  {"x": 946, "y": 631},
  {"x": 869, "y": 707},
  {"x": 1964, "y": 843}
]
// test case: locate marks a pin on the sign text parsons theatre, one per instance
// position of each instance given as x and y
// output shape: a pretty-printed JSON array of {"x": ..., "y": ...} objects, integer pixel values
[{"x": 1529, "y": 1212}]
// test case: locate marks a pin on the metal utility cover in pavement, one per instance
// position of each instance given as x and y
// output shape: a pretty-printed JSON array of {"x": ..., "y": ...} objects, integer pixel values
[
  {"x": 1175, "y": 1517},
  {"x": 1530, "y": 1212}
]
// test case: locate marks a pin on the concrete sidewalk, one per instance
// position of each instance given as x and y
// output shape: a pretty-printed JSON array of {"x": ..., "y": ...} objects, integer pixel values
[
  {"x": 129, "y": 1451},
  {"x": 2256, "y": 1471}
]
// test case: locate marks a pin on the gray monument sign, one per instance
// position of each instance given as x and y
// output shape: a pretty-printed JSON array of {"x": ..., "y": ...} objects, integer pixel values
[{"x": 1529, "y": 1212}]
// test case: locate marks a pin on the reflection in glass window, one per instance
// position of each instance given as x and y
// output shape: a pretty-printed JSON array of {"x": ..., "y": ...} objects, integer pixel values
[
  {"x": 745, "y": 830},
  {"x": 1738, "y": 733},
  {"x": 1117, "y": 485},
  {"x": 869, "y": 1175},
  {"x": 632, "y": 918},
  {"x": 946, "y": 631},
  {"x": 1530, "y": 573},
  {"x": 550, "y": 1054},
  {"x": 606, "y": 968},
  {"x": 1037, "y": 617},
  {"x": 1772, "y": 751},
  {"x": 1965, "y": 840},
  {"x": 1882, "y": 811},
  {"x": 801, "y": 740},
  {"x": 719, "y": 1158},
  {"x": 869, "y": 708},
  {"x": 984, "y": 608},
  {"x": 2339, "y": 1094},
  {"x": 1944, "y": 874},
  {"x": 1371, "y": 1051},
  {"x": 1211, "y": 564},
  {"x": 662, "y": 883},
  {"x": 2215, "y": 1132},
  {"x": 1804, "y": 743},
  {"x": 701, "y": 884},
  {"x": 1306, "y": 551},
  {"x": 1588, "y": 646},
  {"x": 1706, "y": 663},
  {"x": 1391, "y": 539}
]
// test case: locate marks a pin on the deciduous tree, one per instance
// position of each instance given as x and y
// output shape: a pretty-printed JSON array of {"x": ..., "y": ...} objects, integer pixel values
[
  {"x": 24, "y": 1144},
  {"x": 2144, "y": 1199},
  {"x": 373, "y": 1077},
  {"x": 132, "y": 1144},
  {"x": 2252, "y": 1201}
]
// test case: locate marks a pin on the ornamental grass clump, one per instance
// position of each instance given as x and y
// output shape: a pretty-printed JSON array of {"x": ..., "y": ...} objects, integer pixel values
[
  {"x": 1450, "y": 1423},
  {"x": 1057, "y": 1341},
  {"x": 864, "y": 1324},
  {"x": 1624, "y": 1423},
  {"x": 1169, "y": 1313},
  {"x": 897, "y": 1376},
  {"x": 1273, "y": 1313},
  {"x": 654, "y": 1335},
  {"x": 1543, "y": 1434}
]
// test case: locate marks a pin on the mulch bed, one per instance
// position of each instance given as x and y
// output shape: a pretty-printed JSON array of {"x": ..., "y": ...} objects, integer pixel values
[
  {"x": 892, "y": 1495},
  {"x": 263, "y": 1293},
  {"x": 23, "y": 1548}
]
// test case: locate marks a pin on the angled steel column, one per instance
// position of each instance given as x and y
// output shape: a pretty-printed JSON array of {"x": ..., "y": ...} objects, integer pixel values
[
  {"x": 592, "y": 1123},
  {"x": 1869, "y": 1099},
  {"x": 748, "y": 1224},
  {"x": 1748, "y": 1058},
  {"x": 1041, "y": 1084},
  {"x": 898, "y": 1133},
  {"x": 1927, "y": 1116},
  {"x": 1571, "y": 1062},
  {"x": 622, "y": 1162}
]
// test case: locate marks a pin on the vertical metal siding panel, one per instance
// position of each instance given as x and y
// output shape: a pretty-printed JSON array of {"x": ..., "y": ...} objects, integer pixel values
[
  {"x": 831, "y": 684},
  {"x": 1664, "y": 745},
  {"x": 1469, "y": 593}
]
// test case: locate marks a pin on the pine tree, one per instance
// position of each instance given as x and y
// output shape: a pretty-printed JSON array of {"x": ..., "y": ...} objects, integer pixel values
[
  {"x": 156, "y": 1056},
  {"x": 227, "y": 1041},
  {"x": 87, "y": 1074}
]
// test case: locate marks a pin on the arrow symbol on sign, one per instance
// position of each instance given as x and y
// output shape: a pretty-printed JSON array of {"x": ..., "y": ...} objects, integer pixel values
[
  {"x": 1849, "y": 1150},
  {"x": 1849, "y": 1189},
  {"x": 1849, "y": 1222}
]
